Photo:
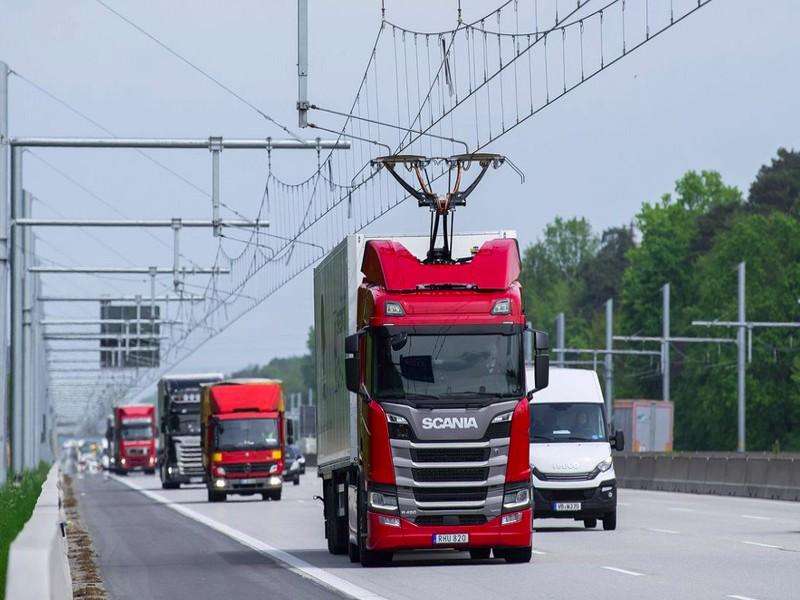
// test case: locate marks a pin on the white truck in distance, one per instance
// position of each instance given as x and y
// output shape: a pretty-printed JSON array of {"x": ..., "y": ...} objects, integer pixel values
[{"x": 570, "y": 450}]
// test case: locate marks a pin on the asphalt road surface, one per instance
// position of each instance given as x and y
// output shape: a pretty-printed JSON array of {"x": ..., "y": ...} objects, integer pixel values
[{"x": 667, "y": 545}]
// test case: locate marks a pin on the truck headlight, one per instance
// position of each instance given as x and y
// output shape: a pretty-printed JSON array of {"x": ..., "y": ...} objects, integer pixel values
[
  {"x": 382, "y": 500},
  {"x": 517, "y": 497},
  {"x": 504, "y": 417},
  {"x": 274, "y": 481},
  {"x": 604, "y": 465},
  {"x": 220, "y": 483}
]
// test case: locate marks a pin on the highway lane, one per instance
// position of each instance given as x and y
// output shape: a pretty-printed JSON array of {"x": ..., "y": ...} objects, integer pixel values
[
  {"x": 666, "y": 546},
  {"x": 147, "y": 552}
]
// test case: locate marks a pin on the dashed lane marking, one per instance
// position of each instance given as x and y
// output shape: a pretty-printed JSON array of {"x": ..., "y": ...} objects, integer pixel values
[
  {"x": 624, "y": 571},
  {"x": 538, "y": 552},
  {"x": 291, "y": 562},
  {"x": 738, "y": 597},
  {"x": 760, "y": 545},
  {"x": 670, "y": 531},
  {"x": 756, "y": 517}
]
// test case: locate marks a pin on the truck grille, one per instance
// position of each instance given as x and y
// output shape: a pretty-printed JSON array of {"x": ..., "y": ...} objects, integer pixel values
[
  {"x": 423, "y": 455},
  {"x": 460, "y": 494},
  {"x": 448, "y": 475},
  {"x": 433, "y": 520},
  {"x": 189, "y": 457},
  {"x": 136, "y": 451},
  {"x": 247, "y": 467}
]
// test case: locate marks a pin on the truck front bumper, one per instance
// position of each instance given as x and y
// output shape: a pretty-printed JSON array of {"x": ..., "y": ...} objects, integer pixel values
[
  {"x": 246, "y": 485},
  {"x": 595, "y": 502},
  {"x": 409, "y": 536}
]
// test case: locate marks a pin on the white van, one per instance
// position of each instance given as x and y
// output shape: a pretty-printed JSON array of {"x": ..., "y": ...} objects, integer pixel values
[{"x": 570, "y": 451}]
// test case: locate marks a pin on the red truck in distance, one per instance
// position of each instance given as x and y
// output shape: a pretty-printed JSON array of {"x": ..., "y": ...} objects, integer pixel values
[
  {"x": 134, "y": 438},
  {"x": 243, "y": 433}
]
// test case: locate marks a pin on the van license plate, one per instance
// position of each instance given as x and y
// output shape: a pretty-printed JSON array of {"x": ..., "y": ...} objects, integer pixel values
[
  {"x": 451, "y": 538},
  {"x": 566, "y": 506}
]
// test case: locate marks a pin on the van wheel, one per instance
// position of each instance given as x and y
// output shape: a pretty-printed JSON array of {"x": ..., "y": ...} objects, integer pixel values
[
  {"x": 590, "y": 523},
  {"x": 610, "y": 521},
  {"x": 518, "y": 555},
  {"x": 480, "y": 553}
]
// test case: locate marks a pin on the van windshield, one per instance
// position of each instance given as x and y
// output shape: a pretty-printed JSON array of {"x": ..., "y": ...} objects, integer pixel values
[{"x": 567, "y": 422}]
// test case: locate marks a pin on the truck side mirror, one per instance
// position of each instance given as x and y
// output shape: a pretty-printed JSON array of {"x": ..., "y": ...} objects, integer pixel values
[
  {"x": 617, "y": 440},
  {"x": 351, "y": 344},
  {"x": 541, "y": 362},
  {"x": 352, "y": 374}
]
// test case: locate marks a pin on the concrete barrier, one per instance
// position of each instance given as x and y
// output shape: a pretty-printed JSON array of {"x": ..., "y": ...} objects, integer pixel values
[
  {"x": 755, "y": 475},
  {"x": 38, "y": 567}
]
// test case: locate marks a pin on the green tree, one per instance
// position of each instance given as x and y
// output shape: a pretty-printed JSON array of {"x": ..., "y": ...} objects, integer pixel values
[
  {"x": 706, "y": 390},
  {"x": 777, "y": 185}
]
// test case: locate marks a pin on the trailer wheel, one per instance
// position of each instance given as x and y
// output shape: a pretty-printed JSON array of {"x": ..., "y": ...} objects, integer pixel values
[
  {"x": 610, "y": 521},
  {"x": 336, "y": 530},
  {"x": 518, "y": 555}
]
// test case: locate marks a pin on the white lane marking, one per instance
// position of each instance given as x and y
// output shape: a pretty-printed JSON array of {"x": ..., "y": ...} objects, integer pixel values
[
  {"x": 539, "y": 552},
  {"x": 755, "y": 517},
  {"x": 759, "y": 544},
  {"x": 738, "y": 597},
  {"x": 623, "y": 503},
  {"x": 679, "y": 509},
  {"x": 624, "y": 571},
  {"x": 671, "y": 531},
  {"x": 293, "y": 563}
]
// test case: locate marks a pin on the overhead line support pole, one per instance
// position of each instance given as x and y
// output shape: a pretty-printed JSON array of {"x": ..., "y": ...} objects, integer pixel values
[
  {"x": 665, "y": 362},
  {"x": 17, "y": 271},
  {"x": 609, "y": 360},
  {"x": 302, "y": 63},
  {"x": 4, "y": 231},
  {"x": 741, "y": 358},
  {"x": 215, "y": 146}
]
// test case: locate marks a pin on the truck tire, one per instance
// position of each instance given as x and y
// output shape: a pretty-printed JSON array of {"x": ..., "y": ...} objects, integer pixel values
[
  {"x": 275, "y": 495},
  {"x": 170, "y": 485},
  {"x": 216, "y": 496},
  {"x": 353, "y": 553},
  {"x": 590, "y": 523},
  {"x": 480, "y": 553},
  {"x": 296, "y": 480},
  {"x": 518, "y": 555},
  {"x": 149, "y": 471},
  {"x": 369, "y": 558},
  {"x": 610, "y": 521}
]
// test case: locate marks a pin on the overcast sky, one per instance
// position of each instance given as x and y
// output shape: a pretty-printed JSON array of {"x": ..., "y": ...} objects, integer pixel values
[{"x": 719, "y": 91}]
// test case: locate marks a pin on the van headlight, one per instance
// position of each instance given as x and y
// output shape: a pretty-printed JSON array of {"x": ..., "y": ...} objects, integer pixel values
[
  {"x": 517, "y": 497},
  {"x": 382, "y": 500},
  {"x": 604, "y": 465}
]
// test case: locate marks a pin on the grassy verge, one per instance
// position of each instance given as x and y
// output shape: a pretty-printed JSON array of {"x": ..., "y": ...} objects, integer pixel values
[{"x": 17, "y": 499}]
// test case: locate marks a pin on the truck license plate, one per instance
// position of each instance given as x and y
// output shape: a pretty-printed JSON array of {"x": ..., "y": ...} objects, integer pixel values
[
  {"x": 248, "y": 481},
  {"x": 451, "y": 538},
  {"x": 195, "y": 480},
  {"x": 566, "y": 506}
]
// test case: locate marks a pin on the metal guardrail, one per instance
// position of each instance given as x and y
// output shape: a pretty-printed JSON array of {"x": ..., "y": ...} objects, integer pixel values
[{"x": 752, "y": 475}]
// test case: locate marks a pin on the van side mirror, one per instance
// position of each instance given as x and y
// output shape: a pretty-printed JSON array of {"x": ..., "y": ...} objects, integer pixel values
[
  {"x": 617, "y": 440},
  {"x": 352, "y": 374}
]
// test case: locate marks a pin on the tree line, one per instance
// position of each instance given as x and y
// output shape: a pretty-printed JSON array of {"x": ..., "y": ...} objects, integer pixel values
[{"x": 692, "y": 238}]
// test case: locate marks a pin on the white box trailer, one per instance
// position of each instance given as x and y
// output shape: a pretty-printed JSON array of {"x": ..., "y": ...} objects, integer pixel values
[{"x": 336, "y": 281}]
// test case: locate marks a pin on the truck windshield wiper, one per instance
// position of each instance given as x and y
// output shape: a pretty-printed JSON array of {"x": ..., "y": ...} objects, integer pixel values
[{"x": 542, "y": 437}]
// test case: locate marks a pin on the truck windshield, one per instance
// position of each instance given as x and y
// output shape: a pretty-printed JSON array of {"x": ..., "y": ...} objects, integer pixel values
[
  {"x": 447, "y": 366},
  {"x": 567, "y": 422},
  {"x": 184, "y": 423},
  {"x": 247, "y": 434},
  {"x": 133, "y": 433}
]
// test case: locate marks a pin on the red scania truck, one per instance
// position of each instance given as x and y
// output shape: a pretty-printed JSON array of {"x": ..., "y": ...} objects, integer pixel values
[
  {"x": 423, "y": 431},
  {"x": 134, "y": 434},
  {"x": 243, "y": 432}
]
